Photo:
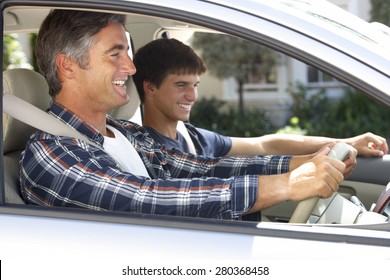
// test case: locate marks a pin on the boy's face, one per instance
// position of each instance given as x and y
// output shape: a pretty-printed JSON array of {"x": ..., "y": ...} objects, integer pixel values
[{"x": 176, "y": 96}]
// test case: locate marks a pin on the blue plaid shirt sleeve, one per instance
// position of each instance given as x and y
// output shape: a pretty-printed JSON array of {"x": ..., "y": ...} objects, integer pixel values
[{"x": 67, "y": 172}]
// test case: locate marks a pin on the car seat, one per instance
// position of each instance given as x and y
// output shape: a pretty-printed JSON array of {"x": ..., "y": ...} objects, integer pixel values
[{"x": 31, "y": 87}]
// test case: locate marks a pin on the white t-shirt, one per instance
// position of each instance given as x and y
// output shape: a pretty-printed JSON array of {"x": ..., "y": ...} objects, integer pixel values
[{"x": 124, "y": 153}]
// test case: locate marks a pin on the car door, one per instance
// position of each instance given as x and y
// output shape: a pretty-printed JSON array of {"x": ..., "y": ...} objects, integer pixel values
[{"x": 77, "y": 234}]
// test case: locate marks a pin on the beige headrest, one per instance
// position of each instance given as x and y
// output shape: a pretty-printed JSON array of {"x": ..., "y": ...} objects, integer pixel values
[
  {"x": 127, "y": 111},
  {"x": 31, "y": 87}
]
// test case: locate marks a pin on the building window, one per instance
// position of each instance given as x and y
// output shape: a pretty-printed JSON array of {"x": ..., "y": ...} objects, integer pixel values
[
  {"x": 316, "y": 76},
  {"x": 258, "y": 75}
]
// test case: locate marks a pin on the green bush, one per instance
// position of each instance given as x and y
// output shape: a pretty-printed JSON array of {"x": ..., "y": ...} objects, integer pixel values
[
  {"x": 207, "y": 114},
  {"x": 310, "y": 110},
  {"x": 292, "y": 128},
  {"x": 356, "y": 113},
  {"x": 352, "y": 114}
]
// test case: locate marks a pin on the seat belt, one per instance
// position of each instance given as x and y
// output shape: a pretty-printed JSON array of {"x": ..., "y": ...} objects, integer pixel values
[
  {"x": 35, "y": 117},
  {"x": 183, "y": 131}
]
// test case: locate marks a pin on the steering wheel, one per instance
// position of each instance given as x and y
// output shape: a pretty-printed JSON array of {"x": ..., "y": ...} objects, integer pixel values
[
  {"x": 383, "y": 200},
  {"x": 304, "y": 208}
]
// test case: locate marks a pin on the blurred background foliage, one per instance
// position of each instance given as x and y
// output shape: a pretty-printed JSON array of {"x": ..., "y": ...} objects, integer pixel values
[
  {"x": 352, "y": 114},
  {"x": 13, "y": 55},
  {"x": 380, "y": 11},
  {"x": 314, "y": 114},
  {"x": 207, "y": 113}
]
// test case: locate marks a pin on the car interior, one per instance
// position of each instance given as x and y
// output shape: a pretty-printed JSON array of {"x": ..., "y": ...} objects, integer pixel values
[{"x": 34, "y": 90}]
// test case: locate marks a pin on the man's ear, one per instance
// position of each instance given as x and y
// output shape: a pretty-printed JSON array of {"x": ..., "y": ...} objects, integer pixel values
[
  {"x": 149, "y": 88},
  {"x": 65, "y": 66}
]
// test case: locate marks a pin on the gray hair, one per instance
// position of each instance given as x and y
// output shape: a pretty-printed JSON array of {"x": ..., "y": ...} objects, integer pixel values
[{"x": 71, "y": 33}]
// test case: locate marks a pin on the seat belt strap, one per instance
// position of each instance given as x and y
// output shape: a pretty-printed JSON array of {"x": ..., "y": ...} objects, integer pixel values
[
  {"x": 183, "y": 131},
  {"x": 35, "y": 117}
]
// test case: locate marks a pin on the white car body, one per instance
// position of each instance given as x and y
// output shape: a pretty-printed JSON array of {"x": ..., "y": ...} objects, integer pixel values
[{"x": 315, "y": 32}]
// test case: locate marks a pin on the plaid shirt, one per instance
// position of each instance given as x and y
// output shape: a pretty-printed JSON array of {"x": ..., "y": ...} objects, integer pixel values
[{"x": 64, "y": 171}]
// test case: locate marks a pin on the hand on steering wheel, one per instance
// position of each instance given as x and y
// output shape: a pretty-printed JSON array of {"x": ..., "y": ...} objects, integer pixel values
[{"x": 305, "y": 208}]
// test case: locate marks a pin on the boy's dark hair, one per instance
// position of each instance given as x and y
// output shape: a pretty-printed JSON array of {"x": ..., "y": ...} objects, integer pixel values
[{"x": 161, "y": 57}]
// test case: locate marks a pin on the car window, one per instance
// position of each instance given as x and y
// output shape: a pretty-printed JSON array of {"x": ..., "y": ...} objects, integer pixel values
[
  {"x": 266, "y": 91},
  {"x": 277, "y": 93}
]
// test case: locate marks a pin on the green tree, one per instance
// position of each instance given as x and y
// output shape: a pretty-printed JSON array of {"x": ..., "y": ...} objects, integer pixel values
[
  {"x": 227, "y": 56},
  {"x": 380, "y": 11},
  {"x": 13, "y": 55}
]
